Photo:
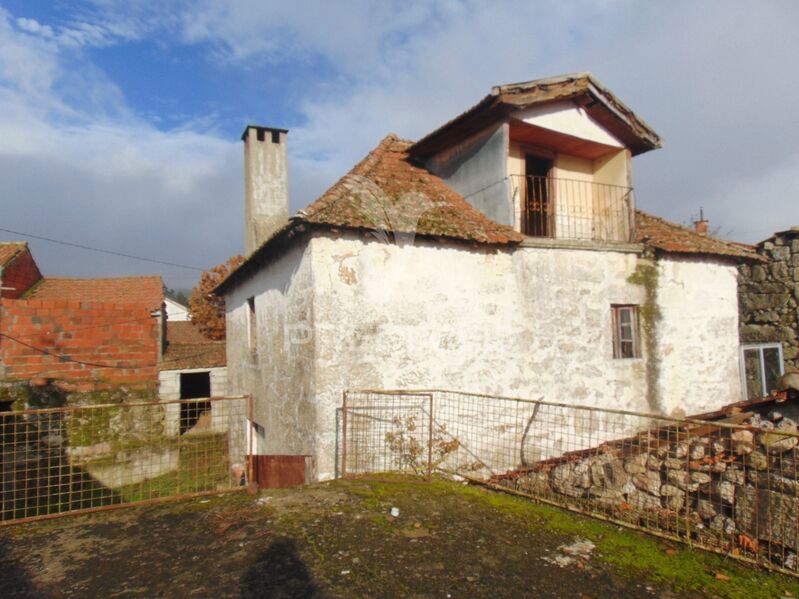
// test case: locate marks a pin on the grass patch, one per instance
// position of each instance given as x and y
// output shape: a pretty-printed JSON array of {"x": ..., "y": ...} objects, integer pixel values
[
  {"x": 202, "y": 466},
  {"x": 638, "y": 555}
]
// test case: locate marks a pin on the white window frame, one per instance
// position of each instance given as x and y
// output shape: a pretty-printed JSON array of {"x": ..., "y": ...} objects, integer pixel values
[
  {"x": 618, "y": 329},
  {"x": 742, "y": 362}
]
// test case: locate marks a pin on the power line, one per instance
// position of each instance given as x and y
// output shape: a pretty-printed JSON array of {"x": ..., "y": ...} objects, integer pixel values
[{"x": 102, "y": 251}]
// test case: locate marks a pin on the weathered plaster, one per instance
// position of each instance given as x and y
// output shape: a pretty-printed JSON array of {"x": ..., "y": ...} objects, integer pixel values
[
  {"x": 477, "y": 169},
  {"x": 279, "y": 373},
  {"x": 266, "y": 186},
  {"x": 350, "y": 312},
  {"x": 531, "y": 323},
  {"x": 697, "y": 335}
]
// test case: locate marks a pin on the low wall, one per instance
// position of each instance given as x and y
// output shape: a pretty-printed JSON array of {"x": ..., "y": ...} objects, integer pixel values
[{"x": 735, "y": 489}]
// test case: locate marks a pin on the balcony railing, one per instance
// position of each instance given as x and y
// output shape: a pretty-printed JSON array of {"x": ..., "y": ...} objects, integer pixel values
[{"x": 573, "y": 209}]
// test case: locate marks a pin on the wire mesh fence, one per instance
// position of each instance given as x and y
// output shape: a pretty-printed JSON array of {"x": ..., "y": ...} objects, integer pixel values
[
  {"x": 729, "y": 484},
  {"x": 85, "y": 458}
]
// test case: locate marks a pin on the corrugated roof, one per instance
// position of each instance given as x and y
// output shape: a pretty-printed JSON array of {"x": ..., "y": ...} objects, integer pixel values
[
  {"x": 187, "y": 347},
  {"x": 147, "y": 290},
  {"x": 669, "y": 237},
  {"x": 9, "y": 250}
]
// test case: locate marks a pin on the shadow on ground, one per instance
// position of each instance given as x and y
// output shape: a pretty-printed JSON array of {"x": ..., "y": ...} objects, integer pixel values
[{"x": 279, "y": 572}]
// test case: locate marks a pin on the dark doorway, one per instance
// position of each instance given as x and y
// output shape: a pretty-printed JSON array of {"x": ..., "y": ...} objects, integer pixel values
[
  {"x": 538, "y": 200},
  {"x": 194, "y": 385}
]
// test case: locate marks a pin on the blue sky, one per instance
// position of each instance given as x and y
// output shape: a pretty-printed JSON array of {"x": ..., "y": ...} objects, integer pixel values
[{"x": 120, "y": 121}]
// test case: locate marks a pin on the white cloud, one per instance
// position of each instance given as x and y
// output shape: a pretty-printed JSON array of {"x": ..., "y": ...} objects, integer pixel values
[
  {"x": 714, "y": 78},
  {"x": 94, "y": 173}
]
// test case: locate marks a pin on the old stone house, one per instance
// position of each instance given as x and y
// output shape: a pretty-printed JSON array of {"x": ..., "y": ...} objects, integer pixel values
[
  {"x": 769, "y": 304},
  {"x": 502, "y": 253}
]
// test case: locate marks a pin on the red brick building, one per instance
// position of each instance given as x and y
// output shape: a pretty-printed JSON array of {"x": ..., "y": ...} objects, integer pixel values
[{"x": 93, "y": 333}]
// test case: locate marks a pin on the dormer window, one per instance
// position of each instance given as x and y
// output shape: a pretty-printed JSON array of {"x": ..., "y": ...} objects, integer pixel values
[{"x": 550, "y": 158}]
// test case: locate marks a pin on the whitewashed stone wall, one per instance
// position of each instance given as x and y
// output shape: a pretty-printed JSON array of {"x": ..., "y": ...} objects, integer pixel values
[
  {"x": 279, "y": 374},
  {"x": 347, "y": 312},
  {"x": 697, "y": 335}
]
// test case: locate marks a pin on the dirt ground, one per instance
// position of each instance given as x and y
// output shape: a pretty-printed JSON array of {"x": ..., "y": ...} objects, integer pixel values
[{"x": 340, "y": 539}]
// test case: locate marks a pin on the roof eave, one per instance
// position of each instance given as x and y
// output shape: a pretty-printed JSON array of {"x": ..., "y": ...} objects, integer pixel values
[
  {"x": 285, "y": 236},
  {"x": 600, "y": 103},
  {"x": 735, "y": 258}
]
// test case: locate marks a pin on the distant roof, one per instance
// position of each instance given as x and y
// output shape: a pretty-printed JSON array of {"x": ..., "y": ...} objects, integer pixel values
[
  {"x": 9, "y": 250},
  {"x": 388, "y": 194},
  {"x": 792, "y": 232},
  {"x": 582, "y": 88},
  {"x": 669, "y": 237},
  {"x": 186, "y": 347},
  {"x": 147, "y": 290}
]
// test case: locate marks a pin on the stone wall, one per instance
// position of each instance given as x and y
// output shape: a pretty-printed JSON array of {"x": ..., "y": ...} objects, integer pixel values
[
  {"x": 732, "y": 488},
  {"x": 532, "y": 322},
  {"x": 279, "y": 372},
  {"x": 769, "y": 296}
]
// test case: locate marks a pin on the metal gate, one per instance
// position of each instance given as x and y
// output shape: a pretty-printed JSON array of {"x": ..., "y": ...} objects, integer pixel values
[{"x": 94, "y": 457}]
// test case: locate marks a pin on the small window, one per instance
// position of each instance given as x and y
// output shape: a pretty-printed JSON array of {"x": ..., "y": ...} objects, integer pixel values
[
  {"x": 626, "y": 339},
  {"x": 761, "y": 368},
  {"x": 252, "y": 325}
]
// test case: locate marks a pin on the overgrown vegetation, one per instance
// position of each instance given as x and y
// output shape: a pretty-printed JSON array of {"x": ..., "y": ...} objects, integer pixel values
[
  {"x": 206, "y": 310},
  {"x": 646, "y": 275}
]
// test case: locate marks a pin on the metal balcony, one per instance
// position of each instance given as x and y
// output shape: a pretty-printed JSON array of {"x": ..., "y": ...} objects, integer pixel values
[{"x": 574, "y": 209}]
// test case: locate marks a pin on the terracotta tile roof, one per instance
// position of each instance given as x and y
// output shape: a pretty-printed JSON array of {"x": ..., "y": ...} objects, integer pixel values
[
  {"x": 668, "y": 237},
  {"x": 9, "y": 250},
  {"x": 122, "y": 290},
  {"x": 387, "y": 191},
  {"x": 187, "y": 347}
]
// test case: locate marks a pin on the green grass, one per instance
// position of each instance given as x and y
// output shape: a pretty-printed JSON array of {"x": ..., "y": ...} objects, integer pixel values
[
  {"x": 642, "y": 556},
  {"x": 202, "y": 466}
]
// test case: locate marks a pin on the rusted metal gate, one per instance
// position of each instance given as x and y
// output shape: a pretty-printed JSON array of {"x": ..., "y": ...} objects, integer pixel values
[
  {"x": 88, "y": 458},
  {"x": 280, "y": 471}
]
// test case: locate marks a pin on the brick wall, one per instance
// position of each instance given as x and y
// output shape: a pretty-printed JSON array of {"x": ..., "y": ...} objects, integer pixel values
[
  {"x": 21, "y": 274},
  {"x": 120, "y": 341}
]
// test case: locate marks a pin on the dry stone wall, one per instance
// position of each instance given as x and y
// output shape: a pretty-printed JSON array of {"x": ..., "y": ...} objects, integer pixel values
[
  {"x": 769, "y": 296},
  {"x": 736, "y": 489}
]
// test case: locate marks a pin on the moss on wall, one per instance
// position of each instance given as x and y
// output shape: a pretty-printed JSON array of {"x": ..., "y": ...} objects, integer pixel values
[
  {"x": 14, "y": 393},
  {"x": 110, "y": 424},
  {"x": 647, "y": 276}
]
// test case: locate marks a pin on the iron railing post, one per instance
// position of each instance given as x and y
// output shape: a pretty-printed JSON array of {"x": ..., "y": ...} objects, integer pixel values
[{"x": 344, "y": 435}]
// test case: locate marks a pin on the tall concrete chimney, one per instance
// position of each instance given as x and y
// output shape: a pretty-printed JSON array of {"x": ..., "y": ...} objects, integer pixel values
[{"x": 266, "y": 184}]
